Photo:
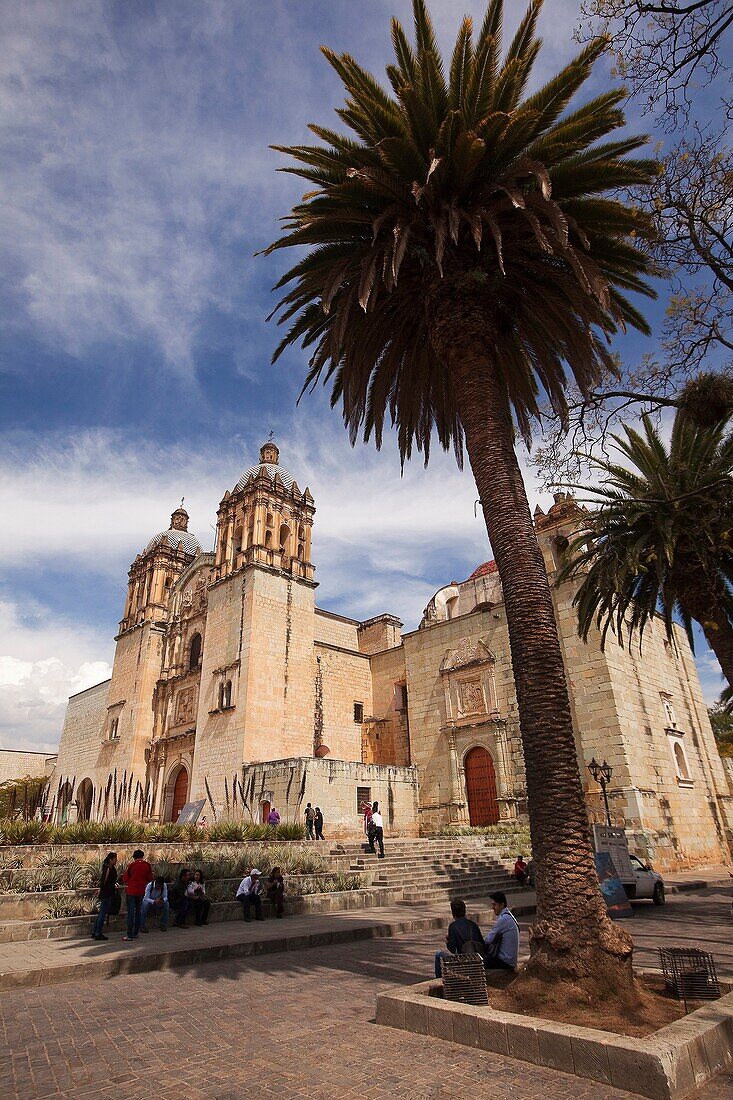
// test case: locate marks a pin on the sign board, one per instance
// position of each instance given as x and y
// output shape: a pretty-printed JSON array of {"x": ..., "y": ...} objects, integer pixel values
[
  {"x": 608, "y": 838},
  {"x": 614, "y": 895},
  {"x": 189, "y": 815}
]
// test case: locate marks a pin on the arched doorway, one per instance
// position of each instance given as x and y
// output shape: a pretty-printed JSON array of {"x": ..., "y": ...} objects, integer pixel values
[
  {"x": 483, "y": 805},
  {"x": 265, "y": 808},
  {"x": 84, "y": 800},
  {"x": 179, "y": 785}
]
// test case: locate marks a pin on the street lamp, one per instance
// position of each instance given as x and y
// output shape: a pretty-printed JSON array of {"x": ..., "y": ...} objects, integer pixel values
[{"x": 602, "y": 774}]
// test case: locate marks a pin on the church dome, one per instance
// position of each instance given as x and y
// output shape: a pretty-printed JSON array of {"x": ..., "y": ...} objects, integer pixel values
[
  {"x": 270, "y": 464},
  {"x": 178, "y": 532},
  {"x": 484, "y": 570}
]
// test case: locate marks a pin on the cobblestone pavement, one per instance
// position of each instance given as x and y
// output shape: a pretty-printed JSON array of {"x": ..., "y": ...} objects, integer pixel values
[{"x": 280, "y": 1026}]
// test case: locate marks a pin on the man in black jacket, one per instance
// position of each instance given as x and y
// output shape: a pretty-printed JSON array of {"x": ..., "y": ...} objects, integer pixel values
[
  {"x": 179, "y": 903},
  {"x": 461, "y": 931}
]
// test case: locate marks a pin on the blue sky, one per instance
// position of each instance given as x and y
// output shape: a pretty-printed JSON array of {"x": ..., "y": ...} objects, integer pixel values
[{"x": 134, "y": 353}]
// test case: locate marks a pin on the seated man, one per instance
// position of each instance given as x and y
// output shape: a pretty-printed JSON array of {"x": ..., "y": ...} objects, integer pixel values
[
  {"x": 250, "y": 894},
  {"x": 520, "y": 870},
  {"x": 155, "y": 900},
  {"x": 502, "y": 942},
  {"x": 461, "y": 931},
  {"x": 179, "y": 903}
]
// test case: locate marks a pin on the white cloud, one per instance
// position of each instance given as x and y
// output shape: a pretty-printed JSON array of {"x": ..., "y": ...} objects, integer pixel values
[
  {"x": 51, "y": 659},
  {"x": 711, "y": 676}
]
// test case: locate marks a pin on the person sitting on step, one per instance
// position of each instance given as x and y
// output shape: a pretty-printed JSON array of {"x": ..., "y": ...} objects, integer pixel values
[
  {"x": 502, "y": 942},
  {"x": 276, "y": 890},
  {"x": 250, "y": 894},
  {"x": 155, "y": 900},
  {"x": 179, "y": 902},
  {"x": 464, "y": 936},
  {"x": 196, "y": 893}
]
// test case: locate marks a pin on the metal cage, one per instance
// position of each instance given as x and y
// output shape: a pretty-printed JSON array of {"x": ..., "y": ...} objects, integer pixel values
[
  {"x": 689, "y": 974},
  {"x": 464, "y": 979}
]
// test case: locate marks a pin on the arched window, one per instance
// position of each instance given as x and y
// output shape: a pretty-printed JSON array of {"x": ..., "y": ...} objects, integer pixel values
[
  {"x": 268, "y": 521},
  {"x": 221, "y": 696},
  {"x": 194, "y": 653},
  {"x": 679, "y": 756},
  {"x": 284, "y": 538},
  {"x": 301, "y": 551},
  {"x": 167, "y": 583},
  {"x": 236, "y": 544},
  {"x": 268, "y": 538},
  {"x": 559, "y": 549},
  {"x": 228, "y": 693}
]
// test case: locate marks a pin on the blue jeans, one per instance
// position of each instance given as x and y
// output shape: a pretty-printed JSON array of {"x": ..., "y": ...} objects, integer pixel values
[
  {"x": 163, "y": 909},
  {"x": 104, "y": 907},
  {"x": 439, "y": 956},
  {"x": 134, "y": 915}
]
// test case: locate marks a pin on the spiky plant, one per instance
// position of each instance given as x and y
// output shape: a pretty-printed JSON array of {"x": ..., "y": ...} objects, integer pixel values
[
  {"x": 661, "y": 540},
  {"x": 465, "y": 256}
]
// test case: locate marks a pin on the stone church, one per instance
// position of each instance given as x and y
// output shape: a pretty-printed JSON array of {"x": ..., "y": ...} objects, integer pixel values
[{"x": 230, "y": 684}]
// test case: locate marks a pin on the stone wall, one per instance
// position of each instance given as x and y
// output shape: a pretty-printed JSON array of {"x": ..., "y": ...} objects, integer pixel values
[
  {"x": 342, "y": 679},
  {"x": 336, "y": 786},
  {"x": 17, "y": 764},
  {"x": 335, "y": 629},
  {"x": 81, "y": 752},
  {"x": 387, "y": 740}
]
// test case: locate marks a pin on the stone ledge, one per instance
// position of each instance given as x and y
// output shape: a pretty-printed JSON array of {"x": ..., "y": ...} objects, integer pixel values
[{"x": 668, "y": 1065}]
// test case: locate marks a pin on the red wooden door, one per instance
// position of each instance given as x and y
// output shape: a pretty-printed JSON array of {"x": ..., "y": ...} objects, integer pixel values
[
  {"x": 180, "y": 794},
  {"x": 483, "y": 806}
]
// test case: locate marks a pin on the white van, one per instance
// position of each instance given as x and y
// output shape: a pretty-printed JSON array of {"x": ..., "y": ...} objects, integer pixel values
[{"x": 638, "y": 878}]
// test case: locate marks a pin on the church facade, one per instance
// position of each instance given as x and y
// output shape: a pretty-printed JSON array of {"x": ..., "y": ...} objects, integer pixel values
[{"x": 231, "y": 685}]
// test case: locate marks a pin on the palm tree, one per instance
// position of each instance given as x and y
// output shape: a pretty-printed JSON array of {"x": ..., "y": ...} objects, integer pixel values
[
  {"x": 461, "y": 261},
  {"x": 662, "y": 539}
]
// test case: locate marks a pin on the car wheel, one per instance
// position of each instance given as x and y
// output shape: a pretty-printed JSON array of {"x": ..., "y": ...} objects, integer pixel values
[{"x": 658, "y": 895}]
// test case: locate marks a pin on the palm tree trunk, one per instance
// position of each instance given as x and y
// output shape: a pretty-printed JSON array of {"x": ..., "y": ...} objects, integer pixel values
[{"x": 573, "y": 937}]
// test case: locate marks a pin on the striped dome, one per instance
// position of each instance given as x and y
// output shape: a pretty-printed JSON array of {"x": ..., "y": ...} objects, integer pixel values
[
  {"x": 270, "y": 469},
  {"x": 171, "y": 538}
]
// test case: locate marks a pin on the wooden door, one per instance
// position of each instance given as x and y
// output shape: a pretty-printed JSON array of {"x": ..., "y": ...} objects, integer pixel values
[
  {"x": 265, "y": 811},
  {"x": 483, "y": 806},
  {"x": 180, "y": 794}
]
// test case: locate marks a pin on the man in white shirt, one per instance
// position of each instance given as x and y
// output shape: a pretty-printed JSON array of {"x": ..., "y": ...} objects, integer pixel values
[
  {"x": 155, "y": 898},
  {"x": 503, "y": 939},
  {"x": 377, "y": 830},
  {"x": 250, "y": 894}
]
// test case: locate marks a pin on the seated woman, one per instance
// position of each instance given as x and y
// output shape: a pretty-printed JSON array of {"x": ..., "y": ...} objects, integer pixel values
[
  {"x": 196, "y": 892},
  {"x": 276, "y": 890}
]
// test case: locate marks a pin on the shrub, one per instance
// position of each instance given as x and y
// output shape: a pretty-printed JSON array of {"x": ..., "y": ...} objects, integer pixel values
[
  {"x": 24, "y": 832},
  {"x": 68, "y": 907}
]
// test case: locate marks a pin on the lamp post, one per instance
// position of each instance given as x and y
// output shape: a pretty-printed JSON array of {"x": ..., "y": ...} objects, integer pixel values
[{"x": 602, "y": 774}]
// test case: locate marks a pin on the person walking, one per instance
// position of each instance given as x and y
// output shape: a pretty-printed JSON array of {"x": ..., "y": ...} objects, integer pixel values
[
  {"x": 318, "y": 824},
  {"x": 310, "y": 818},
  {"x": 273, "y": 818},
  {"x": 107, "y": 893},
  {"x": 156, "y": 898},
  {"x": 378, "y": 830},
  {"x": 137, "y": 876}
]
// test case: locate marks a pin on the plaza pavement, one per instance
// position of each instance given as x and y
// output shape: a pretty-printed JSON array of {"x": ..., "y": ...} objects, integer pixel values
[
  {"x": 48, "y": 962},
  {"x": 297, "y": 1024}
]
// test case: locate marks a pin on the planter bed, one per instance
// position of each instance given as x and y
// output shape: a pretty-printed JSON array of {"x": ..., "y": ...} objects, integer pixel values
[{"x": 667, "y": 1065}]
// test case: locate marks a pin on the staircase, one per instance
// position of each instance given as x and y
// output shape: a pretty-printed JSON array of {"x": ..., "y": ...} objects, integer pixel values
[{"x": 426, "y": 870}]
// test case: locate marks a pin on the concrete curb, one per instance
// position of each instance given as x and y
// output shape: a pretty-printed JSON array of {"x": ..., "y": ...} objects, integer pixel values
[{"x": 667, "y": 1065}]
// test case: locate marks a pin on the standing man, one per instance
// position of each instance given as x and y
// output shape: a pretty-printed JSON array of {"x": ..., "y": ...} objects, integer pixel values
[
  {"x": 250, "y": 894},
  {"x": 137, "y": 876},
  {"x": 273, "y": 818},
  {"x": 318, "y": 822},
  {"x": 378, "y": 830},
  {"x": 310, "y": 819},
  {"x": 502, "y": 942}
]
